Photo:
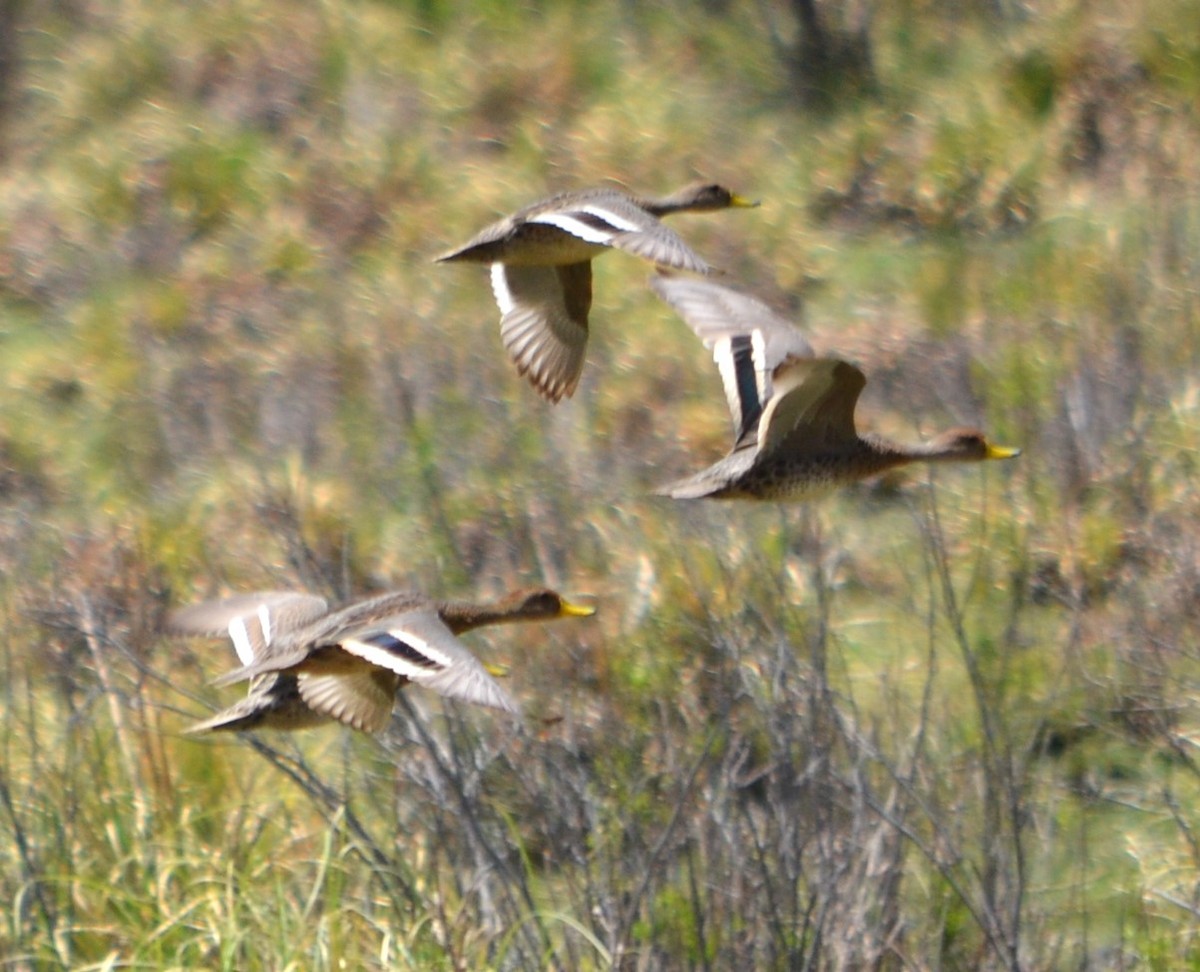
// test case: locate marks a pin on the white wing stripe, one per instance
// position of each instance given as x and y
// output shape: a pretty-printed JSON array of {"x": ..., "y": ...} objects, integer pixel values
[
  {"x": 504, "y": 297},
  {"x": 241, "y": 640},
  {"x": 575, "y": 227},
  {"x": 758, "y": 348},
  {"x": 394, "y": 662},
  {"x": 723, "y": 356},
  {"x": 613, "y": 218},
  {"x": 264, "y": 620},
  {"x": 385, "y": 659}
]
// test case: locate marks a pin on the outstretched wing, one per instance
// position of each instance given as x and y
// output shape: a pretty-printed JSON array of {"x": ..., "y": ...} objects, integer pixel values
[
  {"x": 252, "y": 621},
  {"x": 607, "y": 218},
  {"x": 812, "y": 406},
  {"x": 544, "y": 322},
  {"x": 748, "y": 340},
  {"x": 417, "y": 646},
  {"x": 361, "y": 699},
  {"x": 273, "y": 702}
]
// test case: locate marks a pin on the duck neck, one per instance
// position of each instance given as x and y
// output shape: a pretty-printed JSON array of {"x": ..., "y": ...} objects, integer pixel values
[
  {"x": 665, "y": 205},
  {"x": 460, "y": 616},
  {"x": 891, "y": 453}
]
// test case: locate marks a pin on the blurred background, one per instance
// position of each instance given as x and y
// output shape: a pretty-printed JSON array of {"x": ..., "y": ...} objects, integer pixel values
[{"x": 942, "y": 720}]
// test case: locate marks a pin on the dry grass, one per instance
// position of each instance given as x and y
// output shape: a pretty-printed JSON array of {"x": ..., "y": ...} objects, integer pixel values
[{"x": 940, "y": 721}]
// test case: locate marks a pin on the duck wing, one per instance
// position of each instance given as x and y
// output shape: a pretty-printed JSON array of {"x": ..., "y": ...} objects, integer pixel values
[
  {"x": 609, "y": 218},
  {"x": 273, "y": 702},
  {"x": 252, "y": 621},
  {"x": 544, "y": 322},
  {"x": 748, "y": 340},
  {"x": 361, "y": 699},
  {"x": 417, "y": 646},
  {"x": 812, "y": 406}
]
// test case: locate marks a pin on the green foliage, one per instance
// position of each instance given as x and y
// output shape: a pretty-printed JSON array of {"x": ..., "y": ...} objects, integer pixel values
[
  {"x": 1167, "y": 49},
  {"x": 1035, "y": 82},
  {"x": 945, "y": 719}
]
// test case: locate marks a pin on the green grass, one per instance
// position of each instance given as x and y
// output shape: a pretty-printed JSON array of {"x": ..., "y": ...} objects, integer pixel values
[{"x": 945, "y": 720}]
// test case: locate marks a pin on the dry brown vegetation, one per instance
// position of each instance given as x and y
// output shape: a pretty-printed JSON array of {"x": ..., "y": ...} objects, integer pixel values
[{"x": 941, "y": 721}]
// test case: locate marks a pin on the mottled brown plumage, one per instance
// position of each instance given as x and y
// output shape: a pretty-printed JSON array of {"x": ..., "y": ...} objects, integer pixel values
[
  {"x": 308, "y": 664},
  {"x": 542, "y": 272},
  {"x": 793, "y": 413}
]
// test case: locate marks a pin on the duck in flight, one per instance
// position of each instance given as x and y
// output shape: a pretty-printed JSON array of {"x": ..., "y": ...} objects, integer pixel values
[
  {"x": 308, "y": 663},
  {"x": 793, "y": 413},
  {"x": 541, "y": 263}
]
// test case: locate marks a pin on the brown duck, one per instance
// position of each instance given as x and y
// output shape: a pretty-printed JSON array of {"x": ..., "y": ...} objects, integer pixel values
[
  {"x": 541, "y": 259},
  {"x": 793, "y": 413},
  {"x": 309, "y": 664}
]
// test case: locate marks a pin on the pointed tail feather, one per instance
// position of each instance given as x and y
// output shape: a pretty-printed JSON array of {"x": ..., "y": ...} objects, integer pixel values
[{"x": 700, "y": 485}]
